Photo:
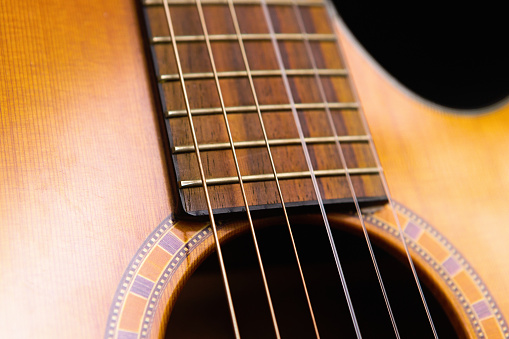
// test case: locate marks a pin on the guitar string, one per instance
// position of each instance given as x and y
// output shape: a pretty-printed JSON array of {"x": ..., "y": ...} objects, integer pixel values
[
  {"x": 311, "y": 170},
  {"x": 208, "y": 200},
  {"x": 202, "y": 173},
  {"x": 331, "y": 9},
  {"x": 237, "y": 168},
  {"x": 266, "y": 140},
  {"x": 341, "y": 154}
]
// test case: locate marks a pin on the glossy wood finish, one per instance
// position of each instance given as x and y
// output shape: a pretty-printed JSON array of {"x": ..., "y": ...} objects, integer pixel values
[
  {"x": 83, "y": 172},
  {"x": 450, "y": 168}
]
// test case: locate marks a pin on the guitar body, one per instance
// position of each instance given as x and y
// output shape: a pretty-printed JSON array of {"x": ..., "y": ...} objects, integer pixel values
[
  {"x": 436, "y": 162},
  {"x": 84, "y": 178}
]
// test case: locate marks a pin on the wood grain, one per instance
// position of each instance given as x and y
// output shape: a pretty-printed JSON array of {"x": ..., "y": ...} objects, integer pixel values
[
  {"x": 83, "y": 174},
  {"x": 269, "y": 90},
  {"x": 82, "y": 171},
  {"x": 450, "y": 168}
]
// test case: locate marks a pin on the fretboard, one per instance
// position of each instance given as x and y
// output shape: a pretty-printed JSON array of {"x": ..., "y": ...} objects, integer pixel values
[{"x": 274, "y": 65}]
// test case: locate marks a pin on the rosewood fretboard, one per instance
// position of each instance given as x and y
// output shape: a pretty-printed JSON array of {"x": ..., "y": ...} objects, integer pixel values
[{"x": 316, "y": 86}]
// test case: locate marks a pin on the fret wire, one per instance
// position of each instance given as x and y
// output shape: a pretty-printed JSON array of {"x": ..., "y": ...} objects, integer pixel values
[
  {"x": 257, "y": 73},
  {"x": 246, "y": 37},
  {"x": 317, "y": 3},
  {"x": 202, "y": 175},
  {"x": 385, "y": 185},
  {"x": 263, "y": 108},
  {"x": 237, "y": 168},
  {"x": 311, "y": 57},
  {"x": 310, "y": 166},
  {"x": 276, "y": 180},
  {"x": 272, "y": 142},
  {"x": 280, "y": 176}
]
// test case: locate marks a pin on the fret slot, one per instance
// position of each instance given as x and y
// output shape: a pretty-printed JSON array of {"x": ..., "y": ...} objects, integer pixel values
[
  {"x": 273, "y": 142},
  {"x": 317, "y": 3},
  {"x": 281, "y": 176},
  {"x": 247, "y": 37},
  {"x": 256, "y": 73},
  {"x": 263, "y": 108}
]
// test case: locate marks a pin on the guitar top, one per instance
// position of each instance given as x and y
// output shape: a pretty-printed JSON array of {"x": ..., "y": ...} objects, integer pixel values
[{"x": 95, "y": 159}]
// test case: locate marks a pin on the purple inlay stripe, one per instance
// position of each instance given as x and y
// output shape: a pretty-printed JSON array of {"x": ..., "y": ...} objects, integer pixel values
[
  {"x": 171, "y": 243},
  {"x": 127, "y": 335},
  {"x": 142, "y": 286},
  {"x": 412, "y": 230},
  {"x": 482, "y": 309},
  {"x": 451, "y": 265}
]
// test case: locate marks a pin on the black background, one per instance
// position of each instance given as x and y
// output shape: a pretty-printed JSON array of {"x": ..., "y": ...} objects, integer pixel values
[{"x": 454, "y": 56}]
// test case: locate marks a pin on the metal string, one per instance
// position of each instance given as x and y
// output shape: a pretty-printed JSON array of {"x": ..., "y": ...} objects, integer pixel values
[
  {"x": 223, "y": 271},
  {"x": 310, "y": 166},
  {"x": 202, "y": 173},
  {"x": 343, "y": 163},
  {"x": 230, "y": 138},
  {"x": 262, "y": 125},
  {"x": 331, "y": 9}
]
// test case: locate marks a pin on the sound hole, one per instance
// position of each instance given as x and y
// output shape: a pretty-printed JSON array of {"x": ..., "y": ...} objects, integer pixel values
[{"x": 201, "y": 310}]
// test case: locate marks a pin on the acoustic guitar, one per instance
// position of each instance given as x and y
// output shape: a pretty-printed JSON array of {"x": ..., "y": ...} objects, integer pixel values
[{"x": 190, "y": 169}]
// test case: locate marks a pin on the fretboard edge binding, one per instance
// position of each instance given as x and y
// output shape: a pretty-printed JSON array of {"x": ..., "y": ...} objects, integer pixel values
[
  {"x": 281, "y": 176},
  {"x": 263, "y": 108},
  {"x": 272, "y": 142}
]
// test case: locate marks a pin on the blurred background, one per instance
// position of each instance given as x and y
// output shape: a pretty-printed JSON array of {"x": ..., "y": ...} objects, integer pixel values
[{"x": 454, "y": 56}]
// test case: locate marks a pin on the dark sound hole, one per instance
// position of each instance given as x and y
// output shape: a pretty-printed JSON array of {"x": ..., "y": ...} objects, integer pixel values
[{"x": 201, "y": 310}]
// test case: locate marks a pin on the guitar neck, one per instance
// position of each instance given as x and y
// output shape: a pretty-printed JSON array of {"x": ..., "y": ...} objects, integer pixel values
[{"x": 263, "y": 85}]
